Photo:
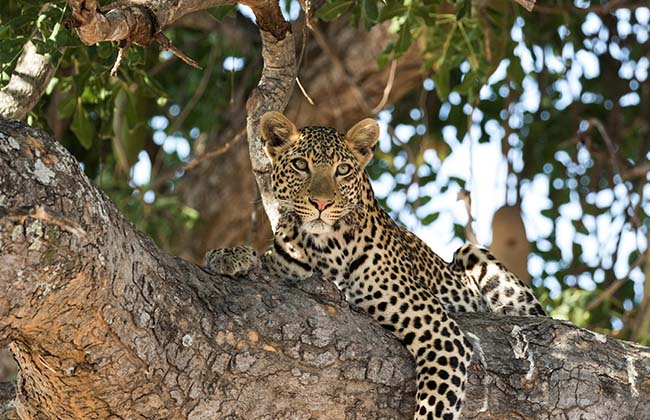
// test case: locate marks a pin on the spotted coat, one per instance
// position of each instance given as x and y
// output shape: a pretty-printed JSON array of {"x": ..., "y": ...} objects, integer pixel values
[{"x": 331, "y": 223}]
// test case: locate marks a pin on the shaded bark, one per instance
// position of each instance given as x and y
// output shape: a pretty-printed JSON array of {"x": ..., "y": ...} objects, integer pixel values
[
  {"x": 7, "y": 397},
  {"x": 104, "y": 325}
]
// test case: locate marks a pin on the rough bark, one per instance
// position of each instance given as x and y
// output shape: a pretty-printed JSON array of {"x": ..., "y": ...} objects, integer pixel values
[
  {"x": 27, "y": 84},
  {"x": 104, "y": 325},
  {"x": 131, "y": 21},
  {"x": 271, "y": 94}
]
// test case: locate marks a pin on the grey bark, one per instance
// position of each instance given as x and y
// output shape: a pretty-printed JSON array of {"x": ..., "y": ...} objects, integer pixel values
[
  {"x": 27, "y": 83},
  {"x": 104, "y": 325}
]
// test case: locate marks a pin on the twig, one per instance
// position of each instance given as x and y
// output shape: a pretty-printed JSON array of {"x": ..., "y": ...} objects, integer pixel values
[
  {"x": 387, "y": 89},
  {"x": 613, "y": 153},
  {"x": 469, "y": 230},
  {"x": 304, "y": 92},
  {"x": 217, "y": 152},
  {"x": 166, "y": 44},
  {"x": 637, "y": 171},
  {"x": 308, "y": 12},
  {"x": 168, "y": 174},
  {"x": 198, "y": 93},
  {"x": 613, "y": 288},
  {"x": 119, "y": 59},
  {"x": 608, "y": 142}
]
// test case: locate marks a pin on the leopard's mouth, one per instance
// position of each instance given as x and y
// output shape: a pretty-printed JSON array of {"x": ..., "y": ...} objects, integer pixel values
[{"x": 317, "y": 225}]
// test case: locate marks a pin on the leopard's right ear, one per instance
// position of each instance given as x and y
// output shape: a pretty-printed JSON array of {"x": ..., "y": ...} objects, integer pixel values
[{"x": 278, "y": 133}]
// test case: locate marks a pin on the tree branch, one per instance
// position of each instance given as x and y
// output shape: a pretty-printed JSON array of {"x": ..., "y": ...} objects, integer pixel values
[
  {"x": 133, "y": 21},
  {"x": 27, "y": 84},
  {"x": 105, "y": 325},
  {"x": 271, "y": 94}
]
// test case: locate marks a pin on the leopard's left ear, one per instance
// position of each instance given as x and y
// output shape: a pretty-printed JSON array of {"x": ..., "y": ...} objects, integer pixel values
[
  {"x": 278, "y": 133},
  {"x": 361, "y": 139}
]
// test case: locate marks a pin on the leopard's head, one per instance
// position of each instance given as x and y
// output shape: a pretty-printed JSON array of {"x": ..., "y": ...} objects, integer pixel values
[{"x": 318, "y": 173}]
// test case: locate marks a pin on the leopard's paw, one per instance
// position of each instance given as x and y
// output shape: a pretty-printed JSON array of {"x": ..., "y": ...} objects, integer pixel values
[{"x": 232, "y": 261}]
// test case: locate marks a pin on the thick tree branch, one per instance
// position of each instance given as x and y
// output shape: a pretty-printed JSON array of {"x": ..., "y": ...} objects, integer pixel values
[
  {"x": 132, "y": 21},
  {"x": 27, "y": 84},
  {"x": 272, "y": 93},
  {"x": 104, "y": 324}
]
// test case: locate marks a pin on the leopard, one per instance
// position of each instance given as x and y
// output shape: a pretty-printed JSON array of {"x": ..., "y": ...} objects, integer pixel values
[{"x": 332, "y": 224}]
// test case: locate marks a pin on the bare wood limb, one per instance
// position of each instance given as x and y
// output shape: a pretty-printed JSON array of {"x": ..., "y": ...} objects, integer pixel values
[{"x": 27, "y": 84}]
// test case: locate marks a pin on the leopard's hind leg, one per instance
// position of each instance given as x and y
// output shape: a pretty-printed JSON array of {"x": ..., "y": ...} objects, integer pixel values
[{"x": 502, "y": 291}]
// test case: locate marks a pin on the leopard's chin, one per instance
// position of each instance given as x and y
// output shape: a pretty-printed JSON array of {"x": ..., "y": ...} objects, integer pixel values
[{"x": 317, "y": 226}]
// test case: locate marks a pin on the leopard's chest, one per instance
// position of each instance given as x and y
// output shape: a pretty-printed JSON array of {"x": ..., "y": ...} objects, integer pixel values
[{"x": 352, "y": 263}]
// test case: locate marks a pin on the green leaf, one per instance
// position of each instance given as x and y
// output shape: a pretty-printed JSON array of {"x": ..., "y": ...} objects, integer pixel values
[
  {"x": 424, "y": 200},
  {"x": 67, "y": 105},
  {"x": 465, "y": 9},
  {"x": 430, "y": 218},
  {"x": 441, "y": 78},
  {"x": 333, "y": 9},
  {"x": 10, "y": 49},
  {"x": 391, "y": 9},
  {"x": 404, "y": 40},
  {"x": 221, "y": 12},
  {"x": 469, "y": 85},
  {"x": 369, "y": 12},
  {"x": 105, "y": 49},
  {"x": 83, "y": 127}
]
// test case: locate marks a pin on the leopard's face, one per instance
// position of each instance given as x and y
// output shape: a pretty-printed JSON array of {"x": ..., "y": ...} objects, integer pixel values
[
  {"x": 318, "y": 178},
  {"x": 318, "y": 172}
]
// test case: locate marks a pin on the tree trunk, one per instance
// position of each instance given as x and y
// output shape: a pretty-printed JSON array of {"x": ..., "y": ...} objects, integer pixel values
[{"x": 104, "y": 325}]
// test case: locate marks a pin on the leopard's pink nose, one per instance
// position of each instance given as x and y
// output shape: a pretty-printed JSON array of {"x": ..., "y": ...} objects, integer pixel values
[{"x": 321, "y": 204}]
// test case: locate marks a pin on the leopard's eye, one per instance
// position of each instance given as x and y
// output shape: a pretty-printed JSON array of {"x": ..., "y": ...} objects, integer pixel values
[
  {"x": 343, "y": 169},
  {"x": 300, "y": 164}
]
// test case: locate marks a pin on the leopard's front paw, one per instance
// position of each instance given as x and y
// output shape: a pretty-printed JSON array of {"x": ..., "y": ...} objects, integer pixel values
[{"x": 232, "y": 261}]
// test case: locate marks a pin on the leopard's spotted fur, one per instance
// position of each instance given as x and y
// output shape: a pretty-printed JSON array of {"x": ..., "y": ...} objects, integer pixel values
[{"x": 331, "y": 222}]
